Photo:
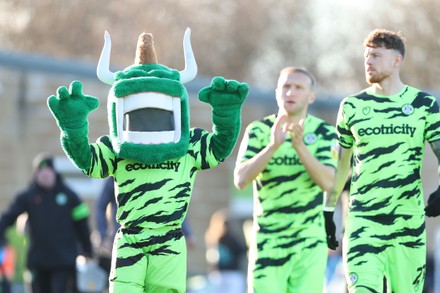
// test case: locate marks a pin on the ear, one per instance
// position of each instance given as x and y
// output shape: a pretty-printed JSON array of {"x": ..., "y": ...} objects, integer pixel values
[
  {"x": 312, "y": 97},
  {"x": 398, "y": 59}
]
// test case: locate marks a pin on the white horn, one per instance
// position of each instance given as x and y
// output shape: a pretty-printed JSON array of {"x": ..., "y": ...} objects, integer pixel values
[
  {"x": 103, "y": 70},
  {"x": 190, "y": 71}
]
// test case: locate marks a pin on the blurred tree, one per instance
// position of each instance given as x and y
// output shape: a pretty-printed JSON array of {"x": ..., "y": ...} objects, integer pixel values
[
  {"x": 249, "y": 40},
  {"x": 419, "y": 22}
]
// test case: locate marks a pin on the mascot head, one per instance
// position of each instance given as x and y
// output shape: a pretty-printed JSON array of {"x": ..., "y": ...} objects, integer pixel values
[{"x": 148, "y": 108}]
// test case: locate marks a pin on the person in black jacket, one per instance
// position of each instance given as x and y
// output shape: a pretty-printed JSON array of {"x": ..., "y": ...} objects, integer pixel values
[
  {"x": 106, "y": 225},
  {"x": 224, "y": 254},
  {"x": 57, "y": 223}
]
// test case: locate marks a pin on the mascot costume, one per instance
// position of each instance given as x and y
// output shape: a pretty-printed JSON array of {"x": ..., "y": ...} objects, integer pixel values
[{"x": 153, "y": 155}]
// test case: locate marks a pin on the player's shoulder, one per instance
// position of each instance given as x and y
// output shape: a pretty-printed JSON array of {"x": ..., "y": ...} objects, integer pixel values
[
  {"x": 312, "y": 119},
  {"x": 412, "y": 91},
  {"x": 362, "y": 99},
  {"x": 265, "y": 122},
  {"x": 319, "y": 124},
  {"x": 359, "y": 96},
  {"x": 315, "y": 119}
]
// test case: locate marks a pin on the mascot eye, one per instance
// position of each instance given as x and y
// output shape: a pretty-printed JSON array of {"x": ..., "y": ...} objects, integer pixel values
[{"x": 149, "y": 119}]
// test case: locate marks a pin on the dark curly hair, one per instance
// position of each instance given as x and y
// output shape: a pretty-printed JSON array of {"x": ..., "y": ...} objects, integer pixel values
[{"x": 386, "y": 39}]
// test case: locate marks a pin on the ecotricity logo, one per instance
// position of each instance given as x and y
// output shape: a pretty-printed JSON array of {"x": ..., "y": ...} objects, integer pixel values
[
  {"x": 286, "y": 160},
  {"x": 405, "y": 129},
  {"x": 169, "y": 165}
]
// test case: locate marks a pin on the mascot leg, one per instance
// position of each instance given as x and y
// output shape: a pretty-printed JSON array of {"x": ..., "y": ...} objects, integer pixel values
[{"x": 143, "y": 262}]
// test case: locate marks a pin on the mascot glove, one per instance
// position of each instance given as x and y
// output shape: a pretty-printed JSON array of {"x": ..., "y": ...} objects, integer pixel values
[
  {"x": 433, "y": 207},
  {"x": 224, "y": 93},
  {"x": 71, "y": 107},
  {"x": 330, "y": 230}
]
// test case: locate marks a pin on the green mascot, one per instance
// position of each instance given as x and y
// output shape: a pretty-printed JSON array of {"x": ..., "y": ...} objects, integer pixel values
[{"x": 153, "y": 155}]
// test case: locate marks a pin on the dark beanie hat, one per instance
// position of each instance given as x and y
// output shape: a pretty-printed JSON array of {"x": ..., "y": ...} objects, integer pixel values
[{"x": 41, "y": 161}]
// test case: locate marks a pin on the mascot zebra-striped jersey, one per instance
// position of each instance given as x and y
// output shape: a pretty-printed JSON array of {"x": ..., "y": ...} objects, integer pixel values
[{"x": 153, "y": 155}]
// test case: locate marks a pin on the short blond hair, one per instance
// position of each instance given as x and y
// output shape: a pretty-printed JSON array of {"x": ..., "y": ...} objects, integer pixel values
[{"x": 303, "y": 70}]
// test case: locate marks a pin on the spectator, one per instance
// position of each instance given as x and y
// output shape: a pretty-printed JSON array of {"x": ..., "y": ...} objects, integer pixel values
[
  {"x": 224, "y": 253},
  {"x": 57, "y": 223},
  {"x": 187, "y": 232},
  {"x": 106, "y": 223}
]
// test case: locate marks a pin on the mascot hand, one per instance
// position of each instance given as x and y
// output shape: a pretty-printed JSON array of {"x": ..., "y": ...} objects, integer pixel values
[
  {"x": 224, "y": 93},
  {"x": 71, "y": 107}
]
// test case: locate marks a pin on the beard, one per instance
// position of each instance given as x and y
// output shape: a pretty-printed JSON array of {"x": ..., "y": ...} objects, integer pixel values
[{"x": 376, "y": 77}]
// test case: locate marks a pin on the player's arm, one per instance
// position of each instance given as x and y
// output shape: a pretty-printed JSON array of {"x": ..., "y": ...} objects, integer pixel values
[
  {"x": 331, "y": 197},
  {"x": 433, "y": 207},
  {"x": 321, "y": 174},
  {"x": 435, "y": 146},
  {"x": 246, "y": 171},
  {"x": 340, "y": 179}
]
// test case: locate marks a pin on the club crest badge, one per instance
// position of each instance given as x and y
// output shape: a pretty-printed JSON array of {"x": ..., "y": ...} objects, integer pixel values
[
  {"x": 310, "y": 138},
  {"x": 352, "y": 278},
  {"x": 407, "y": 109}
]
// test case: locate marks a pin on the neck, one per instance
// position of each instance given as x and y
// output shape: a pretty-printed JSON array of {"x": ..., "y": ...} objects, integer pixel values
[
  {"x": 388, "y": 87},
  {"x": 293, "y": 118}
]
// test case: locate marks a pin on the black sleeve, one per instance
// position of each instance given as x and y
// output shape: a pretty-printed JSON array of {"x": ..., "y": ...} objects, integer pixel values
[
  {"x": 9, "y": 216},
  {"x": 81, "y": 225},
  {"x": 107, "y": 196},
  {"x": 83, "y": 232}
]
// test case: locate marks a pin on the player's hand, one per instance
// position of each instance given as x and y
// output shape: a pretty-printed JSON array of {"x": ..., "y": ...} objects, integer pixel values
[
  {"x": 432, "y": 209},
  {"x": 278, "y": 131},
  {"x": 71, "y": 107},
  {"x": 106, "y": 246},
  {"x": 330, "y": 230},
  {"x": 296, "y": 131},
  {"x": 224, "y": 93}
]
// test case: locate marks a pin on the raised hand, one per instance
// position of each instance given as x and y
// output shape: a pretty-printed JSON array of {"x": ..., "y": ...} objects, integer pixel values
[
  {"x": 226, "y": 98},
  {"x": 278, "y": 131},
  {"x": 296, "y": 131},
  {"x": 71, "y": 107},
  {"x": 224, "y": 93}
]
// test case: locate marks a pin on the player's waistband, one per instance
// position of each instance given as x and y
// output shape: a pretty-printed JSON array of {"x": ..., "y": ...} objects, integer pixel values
[{"x": 156, "y": 230}]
